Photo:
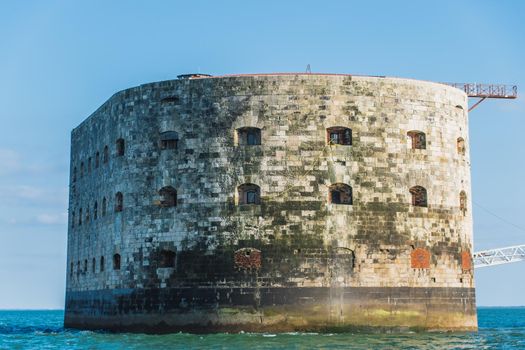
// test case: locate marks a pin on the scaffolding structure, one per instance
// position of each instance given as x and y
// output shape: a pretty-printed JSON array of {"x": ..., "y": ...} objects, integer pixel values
[{"x": 499, "y": 256}]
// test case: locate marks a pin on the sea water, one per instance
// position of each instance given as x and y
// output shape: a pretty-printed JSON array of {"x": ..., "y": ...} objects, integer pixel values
[{"x": 499, "y": 328}]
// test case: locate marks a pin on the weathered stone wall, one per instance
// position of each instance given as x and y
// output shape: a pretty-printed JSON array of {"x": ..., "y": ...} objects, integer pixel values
[{"x": 297, "y": 241}]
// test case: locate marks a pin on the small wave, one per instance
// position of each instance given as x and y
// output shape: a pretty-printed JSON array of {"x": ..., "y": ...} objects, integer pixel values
[{"x": 8, "y": 330}]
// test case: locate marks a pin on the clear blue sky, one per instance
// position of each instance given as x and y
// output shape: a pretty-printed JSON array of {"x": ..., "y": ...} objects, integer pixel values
[{"x": 60, "y": 60}]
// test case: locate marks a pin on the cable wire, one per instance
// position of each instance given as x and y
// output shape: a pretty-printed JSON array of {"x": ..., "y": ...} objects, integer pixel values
[{"x": 499, "y": 217}]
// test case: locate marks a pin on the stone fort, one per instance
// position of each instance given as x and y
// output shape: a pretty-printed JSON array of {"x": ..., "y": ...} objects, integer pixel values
[{"x": 272, "y": 202}]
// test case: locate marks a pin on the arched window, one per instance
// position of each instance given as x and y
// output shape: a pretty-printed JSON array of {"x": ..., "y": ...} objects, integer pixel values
[
  {"x": 73, "y": 219},
  {"x": 249, "y": 136},
  {"x": 105, "y": 155},
  {"x": 419, "y": 196},
  {"x": 463, "y": 202},
  {"x": 104, "y": 206},
  {"x": 97, "y": 160},
  {"x": 168, "y": 140},
  {"x": 81, "y": 169},
  {"x": 249, "y": 194},
  {"x": 460, "y": 145},
  {"x": 167, "y": 258},
  {"x": 102, "y": 264},
  {"x": 75, "y": 174},
  {"x": 89, "y": 165},
  {"x": 116, "y": 262},
  {"x": 120, "y": 147},
  {"x": 80, "y": 217},
  {"x": 339, "y": 135},
  {"x": 168, "y": 197},
  {"x": 119, "y": 202},
  {"x": 94, "y": 265},
  {"x": 418, "y": 139},
  {"x": 95, "y": 210},
  {"x": 170, "y": 99},
  {"x": 340, "y": 193}
]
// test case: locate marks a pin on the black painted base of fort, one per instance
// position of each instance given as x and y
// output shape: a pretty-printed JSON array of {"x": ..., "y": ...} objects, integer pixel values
[{"x": 275, "y": 309}]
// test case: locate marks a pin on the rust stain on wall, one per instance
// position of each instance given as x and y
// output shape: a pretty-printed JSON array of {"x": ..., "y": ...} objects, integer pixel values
[
  {"x": 420, "y": 258},
  {"x": 247, "y": 258},
  {"x": 466, "y": 260}
]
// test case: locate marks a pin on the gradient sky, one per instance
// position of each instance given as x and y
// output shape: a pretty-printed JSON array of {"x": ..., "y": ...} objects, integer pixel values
[{"x": 60, "y": 60}]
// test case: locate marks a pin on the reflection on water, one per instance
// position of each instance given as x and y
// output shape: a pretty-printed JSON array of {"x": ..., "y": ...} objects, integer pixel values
[{"x": 500, "y": 328}]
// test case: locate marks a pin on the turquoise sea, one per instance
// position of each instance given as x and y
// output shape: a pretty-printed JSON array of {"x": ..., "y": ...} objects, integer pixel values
[{"x": 499, "y": 328}]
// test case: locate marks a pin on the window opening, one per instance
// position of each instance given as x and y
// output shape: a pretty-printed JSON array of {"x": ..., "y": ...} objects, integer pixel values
[
  {"x": 461, "y": 146},
  {"x": 120, "y": 147},
  {"x": 340, "y": 193},
  {"x": 339, "y": 135},
  {"x": 168, "y": 196},
  {"x": 249, "y": 194},
  {"x": 167, "y": 258},
  {"x": 168, "y": 140},
  {"x": 418, "y": 139},
  {"x": 419, "y": 196},
  {"x": 116, "y": 262},
  {"x": 249, "y": 136},
  {"x": 119, "y": 202}
]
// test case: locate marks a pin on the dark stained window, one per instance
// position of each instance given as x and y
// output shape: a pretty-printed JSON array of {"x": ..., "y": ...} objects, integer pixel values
[
  {"x": 168, "y": 140},
  {"x": 339, "y": 135},
  {"x": 94, "y": 265},
  {"x": 95, "y": 210},
  {"x": 116, "y": 262},
  {"x": 82, "y": 169},
  {"x": 249, "y": 194},
  {"x": 75, "y": 174},
  {"x": 249, "y": 136},
  {"x": 418, "y": 139},
  {"x": 170, "y": 99},
  {"x": 80, "y": 217},
  {"x": 97, "y": 160},
  {"x": 167, "y": 258},
  {"x": 419, "y": 196},
  {"x": 104, "y": 206},
  {"x": 119, "y": 202},
  {"x": 105, "y": 155},
  {"x": 340, "y": 193},
  {"x": 102, "y": 262},
  {"x": 168, "y": 197},
  {"x": 120, "y": 147}
]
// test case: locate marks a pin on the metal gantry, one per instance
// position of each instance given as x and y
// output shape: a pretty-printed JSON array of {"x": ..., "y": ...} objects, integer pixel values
[
  {"x": 484, "y": 91},
  {"x": 499, "y": 256}
]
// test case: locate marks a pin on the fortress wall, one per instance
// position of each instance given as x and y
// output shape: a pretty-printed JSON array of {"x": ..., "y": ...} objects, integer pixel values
[{"x": 315, "y": 264}]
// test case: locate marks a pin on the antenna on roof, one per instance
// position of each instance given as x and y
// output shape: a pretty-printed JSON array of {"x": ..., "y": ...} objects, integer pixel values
[{"x": 308, "y": 69}]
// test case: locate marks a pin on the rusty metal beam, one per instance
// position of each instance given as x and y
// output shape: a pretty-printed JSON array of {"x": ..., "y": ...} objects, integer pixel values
[{"x": 477, "y": 103}]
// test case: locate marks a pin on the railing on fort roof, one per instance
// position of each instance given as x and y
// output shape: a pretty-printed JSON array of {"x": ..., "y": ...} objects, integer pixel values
[{"x": 487, "y": 90}]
